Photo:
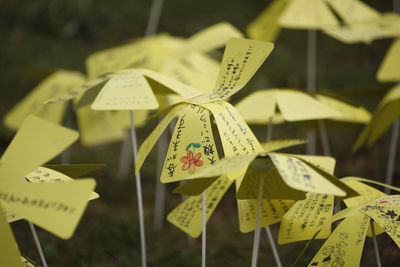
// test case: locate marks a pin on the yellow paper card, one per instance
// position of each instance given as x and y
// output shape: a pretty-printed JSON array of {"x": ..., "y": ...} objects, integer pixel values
[
  {"x": 300, "y": 176},
  {"x": 127, "y": 92},
  {"x": 26, "y": 263},
  {"x": 248, "y": 107},
  {"x": 194, "y": 187},
  {"x": 297, "y": 106},
  {"x": 56, "y": 207},
  {"x": 162, "y": 84},
  {"x": 150, "y": 141},
  {"x": 366, "y": 193},
  {"x": 266, "y": 27},
  {"x": 241, "y": 60},
  {"x": 349, "y": 112},
  {"x": 307, "y": 14},
  {"x": 8, "y": 247},
  {"x": 211, "y": 38},
  {"x": 272, "y": 211},
  {"x": 353, "y": 11},
  {"x": 99, "y": 127},
  {"x": 188, "y": 215},
  {"x": 56, "y": 84},
  {"x": 389, "y": 70},
  {"x": 75, "y": 170},
  {"x": 344, "y": 246},
  {"x": 192, "y": 147},
  {"x": 45, "y": 175},
  {"x": 324, "y": 163},
  {"x": 281, "y": 144},
  {"x": 11, "y": 217},
  {"x": 274, "y": 187},
  {"x": 305, "y": 218},
  {"x": 36, "y": 142}
]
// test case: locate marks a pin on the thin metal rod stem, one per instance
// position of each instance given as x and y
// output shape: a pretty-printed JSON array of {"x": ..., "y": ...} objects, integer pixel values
[
  {"x": 38, "y": 246},
  {"x": 154, "y": 17},
  {"x": 139, "y": 192},
  {"x": 203, "y": 233},
  {"x": 257, "y": 232},
  {"x": 273, "y": 246},
  {"x": 311, "y": 79},
  {"x": 378, "y": 258},
  {"x": 392, "y": 155},
  {"x": 324, "y": 138},
  {"x": 125, "y": 157}
]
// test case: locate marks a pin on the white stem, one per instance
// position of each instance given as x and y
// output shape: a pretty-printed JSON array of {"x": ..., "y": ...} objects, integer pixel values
[
  {"x": 154, "y": 18},
  {"x": 324, "y": 138},
  {"x": 37, "y": 242},
  {"x": 125, "y": 157},
  {"x": 159, "y": 200},
  {"x": 203, "y": 233},
  {"x": 273, "y": 246},
  {"x": 378, "y": 259},
  {"x": 311, "y": 78},
  {"x": 139, "y": 192},
  {"x": 392, "y": 155},
  {"x": 257, "y": 232}
]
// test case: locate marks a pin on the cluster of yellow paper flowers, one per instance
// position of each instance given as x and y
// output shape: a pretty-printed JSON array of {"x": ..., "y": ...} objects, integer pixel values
[{"x": 179, "y": 78}]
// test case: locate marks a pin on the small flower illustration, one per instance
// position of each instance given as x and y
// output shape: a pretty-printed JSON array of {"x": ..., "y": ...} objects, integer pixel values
[{"x": 191, "y": 162}]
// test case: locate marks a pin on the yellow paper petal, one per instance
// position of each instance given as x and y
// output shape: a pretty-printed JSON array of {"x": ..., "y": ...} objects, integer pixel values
[
  {"x": 150, "y": 141},
  {"x": 300, "y": 176},
  {"x": 45, "y": 175},
  {"x": 11, "y": 217},
  {"x": 194, "y": 187},
  {"x": 353, "y": 11},
  {"x": 192, "y": 147},
  {"x": 274, "y": 186},
  {"x": 344, "y": 246},
  {"x": 349, "y": 112},
  {"x": 307, "y": 14},
  {"x": 26, "y": 262},
  {"x": 241, "y": 60},
  {"x": 305, "y": 218},
  {"x": 272, "y": 211},
  {"x": 389, "y": 70},
  {"x": 56, "y": 207},
  {"x": 75, "y": 170},
  {"x": 249, "y": 107},
  {"x": 36, "y": 142},
  {"x": 296, "y": 106},
  {"x": 211, "y": 38},
  {"x": 8, "y": 247},
  {"x": 100, "y": 127},
  {"x": 126, "y": 92},
  {"x": 188, "y": 215},
  {"x": 266, "y": 27},
  {"x": 366, "y": 193},
  {"x": 54, "y": 85},
  {"x": 324, "y": 163},
  {"x": 281, "y": 144}
]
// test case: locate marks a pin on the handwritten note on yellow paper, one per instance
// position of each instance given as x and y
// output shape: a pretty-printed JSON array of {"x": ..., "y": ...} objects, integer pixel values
[
  {"x": 241, "y": 60},
  {"x": 45, "y": 175},
  {"x": 188, "y": 215},
  {"x": 389, "y": 69},
  {"x": 266, "y": 27},
  {"x": 307, "y": 14},
  {"x": 57, "y": 83},
  {"x": 236, "y": 136},
  {"x": 305, "y": 218},
  {"x": 150, "y": 141},
  {"x": 36, "y": 142},
  {"x": 56, "y": 207},
  {"x": 192, "y": 147},
  {"x": 300, "y": 176},
  {"x": 272, "y": 211},
  {"x": 8, "y": 247},
  {"x": 128, "y": 92},
  {"x": 11, "y": 217},
  {"x": 274, "y": 187},
  {"x": 345, "y": 245}
]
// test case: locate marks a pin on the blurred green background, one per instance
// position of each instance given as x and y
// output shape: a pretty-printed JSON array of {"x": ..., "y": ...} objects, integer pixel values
[{"x": 38, "y": 37}]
